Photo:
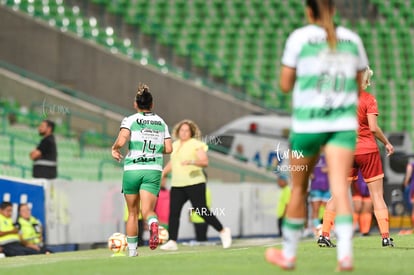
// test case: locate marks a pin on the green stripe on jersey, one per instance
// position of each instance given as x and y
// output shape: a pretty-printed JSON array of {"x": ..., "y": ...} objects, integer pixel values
[
  {"x": 322, "y": 113},
  {"x": 148, "y": 132},
  {"x": 156, "y": 126},
  {"x": 314, "y": 49}
]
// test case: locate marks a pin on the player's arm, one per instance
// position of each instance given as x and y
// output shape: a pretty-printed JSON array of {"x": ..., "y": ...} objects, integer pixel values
[
  {"x": 122, "y": 138},
  {"x": 376, "y": 130},
  {"x": 167, "y": 169},
  {"x": 289, "y": 62},
  {"x": 287, "y": 78},
  {"x": 167, "y": 146},
  {"x": 408, "y": 174}
]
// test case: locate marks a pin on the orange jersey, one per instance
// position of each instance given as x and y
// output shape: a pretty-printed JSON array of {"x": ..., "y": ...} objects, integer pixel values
[{"x": 366, "y": 140}]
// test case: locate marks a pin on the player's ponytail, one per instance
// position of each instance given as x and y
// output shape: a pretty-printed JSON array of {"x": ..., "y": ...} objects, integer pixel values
[
  {"x": 143, "y": 97},
  {"x": 324, "y": 11}
]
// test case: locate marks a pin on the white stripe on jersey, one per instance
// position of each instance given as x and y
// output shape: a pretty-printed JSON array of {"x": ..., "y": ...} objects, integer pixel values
[{"x": 317, "y": 126}]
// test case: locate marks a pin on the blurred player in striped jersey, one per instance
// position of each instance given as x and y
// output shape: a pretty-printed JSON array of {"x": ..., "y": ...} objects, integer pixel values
[{"x": 323, "y": 64}]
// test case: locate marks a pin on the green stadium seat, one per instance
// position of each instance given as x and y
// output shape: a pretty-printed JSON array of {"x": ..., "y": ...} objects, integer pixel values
[
  {"x": 246, "y": 35},
  {"x": 235, "y": 79},
  {"x": 117, "y": 7},
  {"x": 217, "y": 68},
  {"x": 100, "y": 2}
]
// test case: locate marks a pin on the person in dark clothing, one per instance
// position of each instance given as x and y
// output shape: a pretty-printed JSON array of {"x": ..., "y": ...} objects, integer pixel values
[{"x": 45, "y": 154}]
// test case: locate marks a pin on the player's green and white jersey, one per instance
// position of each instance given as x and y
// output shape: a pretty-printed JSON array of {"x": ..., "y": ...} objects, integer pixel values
[
  {"x": 146, "y": 145},
  {"x": 325, "y": 94}
]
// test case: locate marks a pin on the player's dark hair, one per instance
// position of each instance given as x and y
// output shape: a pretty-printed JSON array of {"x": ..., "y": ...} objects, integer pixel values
[
  {"x": 323, "y": 10},
  {"x": 50, "y": 124},
  {"x": 143, "y": 97},
  {"x": 5, "y": 204}
]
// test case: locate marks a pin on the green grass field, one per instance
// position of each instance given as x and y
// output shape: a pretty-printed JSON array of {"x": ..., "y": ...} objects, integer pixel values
[{"x": 245, "y": 257}]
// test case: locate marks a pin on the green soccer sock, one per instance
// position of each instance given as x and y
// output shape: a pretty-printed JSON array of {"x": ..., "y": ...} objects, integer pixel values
[
  {"x": 132, "y": 242},
  {"x": 292, "y": 232}
]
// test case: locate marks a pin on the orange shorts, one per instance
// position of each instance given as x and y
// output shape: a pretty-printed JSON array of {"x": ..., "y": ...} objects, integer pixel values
[{"x": 370, "y": 165}]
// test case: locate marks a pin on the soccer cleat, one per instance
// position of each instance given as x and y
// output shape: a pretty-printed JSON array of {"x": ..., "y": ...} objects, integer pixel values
[
  {"x": 387, "y": 242},
  {"x": 325, "y": 242},
  {"x": 275, "y": 256},
  {"x": 170, "y": 245},
  {"x": 225, "y": 237},
  {"x": 345, "y": 264},
  {"x": 154, "y": 239}
]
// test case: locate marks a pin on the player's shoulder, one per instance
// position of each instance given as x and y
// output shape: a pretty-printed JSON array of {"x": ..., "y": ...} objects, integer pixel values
[
  {"x": 130, "y": 118},
  {"x": 302, "y": 33},
  {"x": 366, "y": 96},
  {"x": 159, "y": 118},
  {"x": 348, "y": 34}
]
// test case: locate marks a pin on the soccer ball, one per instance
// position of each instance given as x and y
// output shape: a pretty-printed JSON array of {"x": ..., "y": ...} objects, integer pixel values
[
  {"x": 117, "y": 242},
  {"x": 163, "y": 235}
]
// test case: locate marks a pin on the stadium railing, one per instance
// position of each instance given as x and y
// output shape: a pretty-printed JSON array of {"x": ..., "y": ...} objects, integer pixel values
[
  {"x": 91, "y": 147},
  {"x": 24, "y": 170}
]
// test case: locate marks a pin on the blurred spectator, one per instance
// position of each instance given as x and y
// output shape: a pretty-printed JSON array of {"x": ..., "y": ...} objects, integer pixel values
[
  {"x": 284, "y": 197},
  {"x": 200, "y": 225},
  {"x": 30, "y": 229},
  {"x": 9, "y": 234},
  {"x": 188, "y": 181},
  {"x": 362, "y": 203},
  {"x": 45, "y": 154},
  {"x": 319, "y": 192},
  {"x": 162, "y": 208},
  {"x": 409, "y": 194}
]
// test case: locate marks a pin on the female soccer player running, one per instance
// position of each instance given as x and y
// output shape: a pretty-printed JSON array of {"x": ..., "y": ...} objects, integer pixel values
[
  {"x": 148, "y": 138},
  {"x": 323, "y": 64}
]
